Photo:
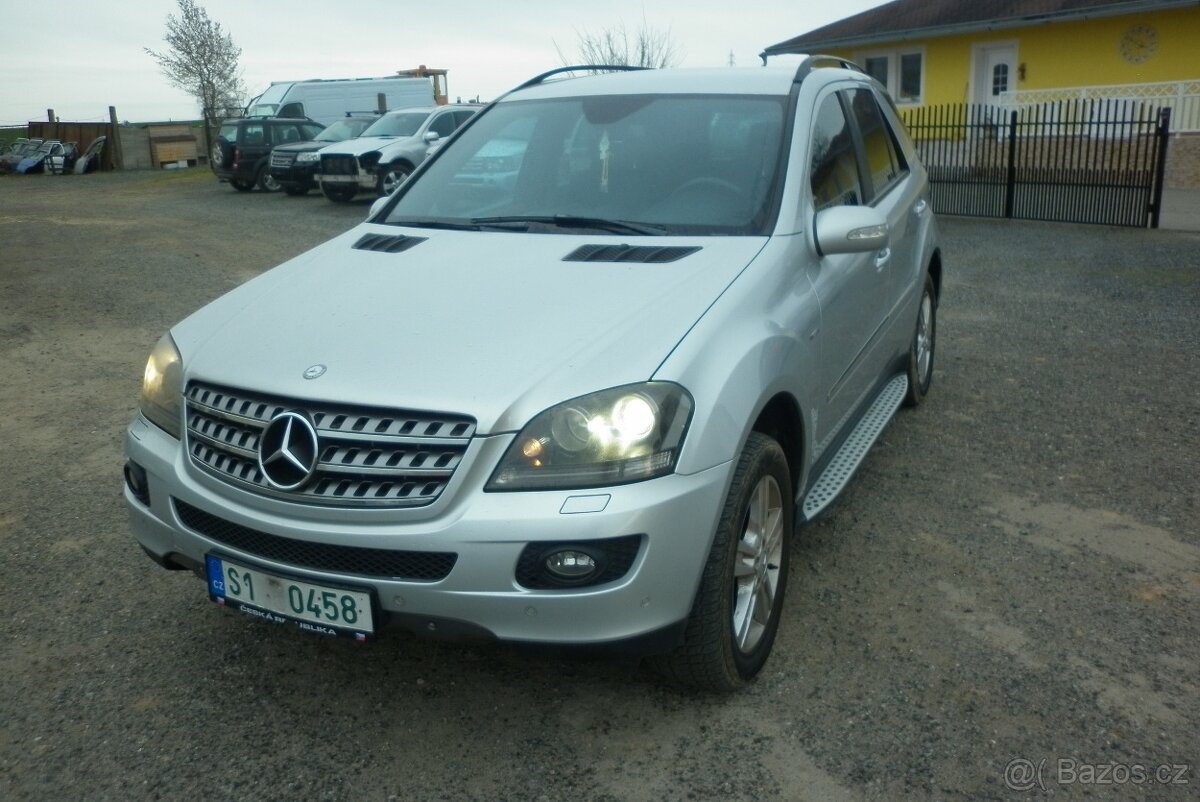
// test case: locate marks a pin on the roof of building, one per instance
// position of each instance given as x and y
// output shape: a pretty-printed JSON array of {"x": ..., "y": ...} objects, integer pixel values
[{"x": 902, "y": 20}]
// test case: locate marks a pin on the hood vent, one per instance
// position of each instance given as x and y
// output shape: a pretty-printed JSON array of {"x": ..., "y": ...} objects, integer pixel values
[
  {"x": 387, "y": 243},
  {"x": 644, "y": 254}
]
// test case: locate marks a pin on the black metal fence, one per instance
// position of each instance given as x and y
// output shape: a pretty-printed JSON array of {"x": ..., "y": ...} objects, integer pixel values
[{"x": 1079, "y": 161}]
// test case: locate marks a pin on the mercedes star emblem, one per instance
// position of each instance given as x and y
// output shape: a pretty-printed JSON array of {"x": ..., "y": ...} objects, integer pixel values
[
  {"x": 315, "y": 372},
  {"x": 287, "y": 451}
]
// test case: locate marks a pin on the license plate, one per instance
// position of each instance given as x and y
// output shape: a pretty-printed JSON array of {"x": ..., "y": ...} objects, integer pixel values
[{"x": 320, "y": 609}]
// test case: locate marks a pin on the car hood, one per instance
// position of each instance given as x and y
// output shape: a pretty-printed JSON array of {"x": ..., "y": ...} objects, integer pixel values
[
  {"x": 366, "y": 144},
  {"x": 303, "y": 147},
  {"x": 493, "y": 325}
]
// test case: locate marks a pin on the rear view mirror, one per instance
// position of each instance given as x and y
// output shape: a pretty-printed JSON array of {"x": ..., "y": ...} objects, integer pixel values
[
  {"x": 377, "y": 206},
  {"x": 850, "y": 229}
]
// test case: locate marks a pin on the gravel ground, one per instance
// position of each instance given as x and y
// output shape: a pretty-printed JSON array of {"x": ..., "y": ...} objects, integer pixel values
[{"x": 1014, "y": 574}]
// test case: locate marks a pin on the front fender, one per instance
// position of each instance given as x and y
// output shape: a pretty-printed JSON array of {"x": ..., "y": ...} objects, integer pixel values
[{"x": 754, "y": 344}]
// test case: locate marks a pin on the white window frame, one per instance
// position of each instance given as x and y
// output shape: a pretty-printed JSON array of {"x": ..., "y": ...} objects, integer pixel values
[{"x": 893, "y": 61}]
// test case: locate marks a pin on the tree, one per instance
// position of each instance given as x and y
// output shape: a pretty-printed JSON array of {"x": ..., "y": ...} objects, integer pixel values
[
  {"x": 648, "y": 47},
  {"x": 202, "y": 60}
]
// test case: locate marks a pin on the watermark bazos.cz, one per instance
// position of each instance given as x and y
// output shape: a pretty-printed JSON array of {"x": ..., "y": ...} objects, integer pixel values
[{"x": 1022, "y": 774}]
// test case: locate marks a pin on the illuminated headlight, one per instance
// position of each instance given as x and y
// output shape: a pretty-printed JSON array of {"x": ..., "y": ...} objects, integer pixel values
[
  {"x": 162, "y": 387},
  {"x": 615, "y": 436},
  {"x": 308, "y": 157}
]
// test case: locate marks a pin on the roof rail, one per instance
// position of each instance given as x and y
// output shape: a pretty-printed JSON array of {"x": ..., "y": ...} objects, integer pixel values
[
  {"x": 817, "y": 62},
  {"x": 537, "y": 79}
]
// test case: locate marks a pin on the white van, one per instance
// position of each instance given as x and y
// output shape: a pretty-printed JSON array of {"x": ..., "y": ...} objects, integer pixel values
[{"x": 328, "y": 100}]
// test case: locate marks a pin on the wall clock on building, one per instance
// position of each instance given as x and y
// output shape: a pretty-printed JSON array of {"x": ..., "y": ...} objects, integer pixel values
[{"x": 1139, "y": 43}]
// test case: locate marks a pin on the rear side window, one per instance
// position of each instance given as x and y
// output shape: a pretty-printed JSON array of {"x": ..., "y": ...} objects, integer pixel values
[
  {"x": 884, "y": 164},
  {"x": 833, "y": 167},
  {"x": 228, "y": 133},
  {"x": 254, "y": 134}
]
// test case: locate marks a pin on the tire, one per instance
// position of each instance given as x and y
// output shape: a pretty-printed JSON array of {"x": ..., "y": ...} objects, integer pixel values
[
  {"x": 391, "y": 177},
  {"x": 222, "y": 154},
  {"x": 735, "y": 615},
  {"x": 295, "y": 189},
  {"x": 267, "y": 182},
  {"x": 339, "y": 194},
  {"x": 241, "y": 185},
  {"x": 924, "y": 342}
]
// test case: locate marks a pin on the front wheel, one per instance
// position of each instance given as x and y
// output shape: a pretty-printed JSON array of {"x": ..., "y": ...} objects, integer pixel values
[
  {"x": 735, "y": 615},
  {"x": 920, "y": 352},
  {"x": 267, "y": 182},
  {"x": 391, "y": 177},
  {"x": 339, "y": 193}
]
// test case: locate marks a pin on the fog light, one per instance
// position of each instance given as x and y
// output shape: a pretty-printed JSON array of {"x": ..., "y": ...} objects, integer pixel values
[
  {"x": 135, "y": 477},
  {"x": 571, "y": 565}
]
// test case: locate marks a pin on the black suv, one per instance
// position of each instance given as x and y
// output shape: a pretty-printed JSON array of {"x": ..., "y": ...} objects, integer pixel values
[
  {"x": 294, "y": 166},
  {"x": 243, "y": 148}
]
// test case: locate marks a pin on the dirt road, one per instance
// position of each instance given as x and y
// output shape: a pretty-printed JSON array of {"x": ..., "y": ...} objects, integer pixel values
[{"x": 1007, "y": 597}]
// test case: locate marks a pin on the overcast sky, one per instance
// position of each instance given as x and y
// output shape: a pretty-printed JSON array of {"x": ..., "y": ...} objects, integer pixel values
[{"x": 79, "y": 57}]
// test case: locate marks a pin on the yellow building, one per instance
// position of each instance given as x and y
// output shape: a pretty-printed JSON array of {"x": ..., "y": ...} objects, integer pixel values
[{"x": 1015, "y": 53}]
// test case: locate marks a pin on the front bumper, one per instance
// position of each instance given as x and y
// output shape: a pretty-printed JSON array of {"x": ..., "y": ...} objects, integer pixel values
[
  {"x": 674, "y": 515},
  {"x": 361, "y": 180},
  {"x": 296, "y": 173}
]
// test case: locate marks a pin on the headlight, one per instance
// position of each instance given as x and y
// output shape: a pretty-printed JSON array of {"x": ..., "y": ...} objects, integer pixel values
[
  {"x": 615, "y": 436},
  {"x": 369, "y": 160},
  {"x": 162, "y": 387},
  {"x": 308, "y": 156}
]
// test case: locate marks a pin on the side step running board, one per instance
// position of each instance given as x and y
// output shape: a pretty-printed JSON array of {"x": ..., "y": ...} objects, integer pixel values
[{"x": 841, "y": 468}]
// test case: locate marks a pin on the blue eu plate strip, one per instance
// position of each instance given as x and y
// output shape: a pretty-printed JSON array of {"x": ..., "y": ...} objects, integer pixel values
[{"x": 216, "y": 576}]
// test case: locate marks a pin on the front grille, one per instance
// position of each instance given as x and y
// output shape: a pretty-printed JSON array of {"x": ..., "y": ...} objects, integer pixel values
[
  {"x": 338, "y": 164},
  {"x": 423, "y": 566},
  {"x": 282, "y": 158},
  {"x": 366, "y": 457}
]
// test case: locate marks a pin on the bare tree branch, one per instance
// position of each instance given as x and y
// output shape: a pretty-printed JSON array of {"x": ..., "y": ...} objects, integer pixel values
[{"x": 646, "y": 47}]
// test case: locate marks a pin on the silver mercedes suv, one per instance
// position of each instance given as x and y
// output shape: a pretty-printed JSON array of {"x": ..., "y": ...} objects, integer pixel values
[{"x": 575, "y": 382}]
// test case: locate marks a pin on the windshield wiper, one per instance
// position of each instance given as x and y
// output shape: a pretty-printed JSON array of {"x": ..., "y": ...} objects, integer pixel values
[
  {"x": 575, "y": 221},
  {"x": 434, "y": 222}
]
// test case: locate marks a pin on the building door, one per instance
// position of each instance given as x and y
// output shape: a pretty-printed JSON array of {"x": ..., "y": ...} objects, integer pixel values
[{"x": 995, "y": 72}]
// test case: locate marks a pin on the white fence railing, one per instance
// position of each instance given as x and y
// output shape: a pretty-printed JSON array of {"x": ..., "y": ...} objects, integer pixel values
[{"x": 1182, "y": 97}]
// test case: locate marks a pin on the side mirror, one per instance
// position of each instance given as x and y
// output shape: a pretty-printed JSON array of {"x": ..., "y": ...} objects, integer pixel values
[
  {"x": 850, "y": 229},
  {"x": 431, "y": 137},
  {"x": 377, "y": 206}
]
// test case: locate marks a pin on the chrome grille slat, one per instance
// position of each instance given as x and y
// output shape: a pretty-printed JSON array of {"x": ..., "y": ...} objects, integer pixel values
[
  {"x": 213, "y": 412},
  {"x": 357, "y": 437},
  {"x": 368, "y": 457},
  {"x": 352, "y": 470},
  {"x": 213, "y": 442}
]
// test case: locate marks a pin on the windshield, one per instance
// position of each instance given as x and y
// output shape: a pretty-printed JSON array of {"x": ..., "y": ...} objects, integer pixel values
[
  {"x": 405, "y": 124},
  {"x": 342, "y": 129},
  {"x": 266, "y": 104},
  {"x": 639, "y": 164}
]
